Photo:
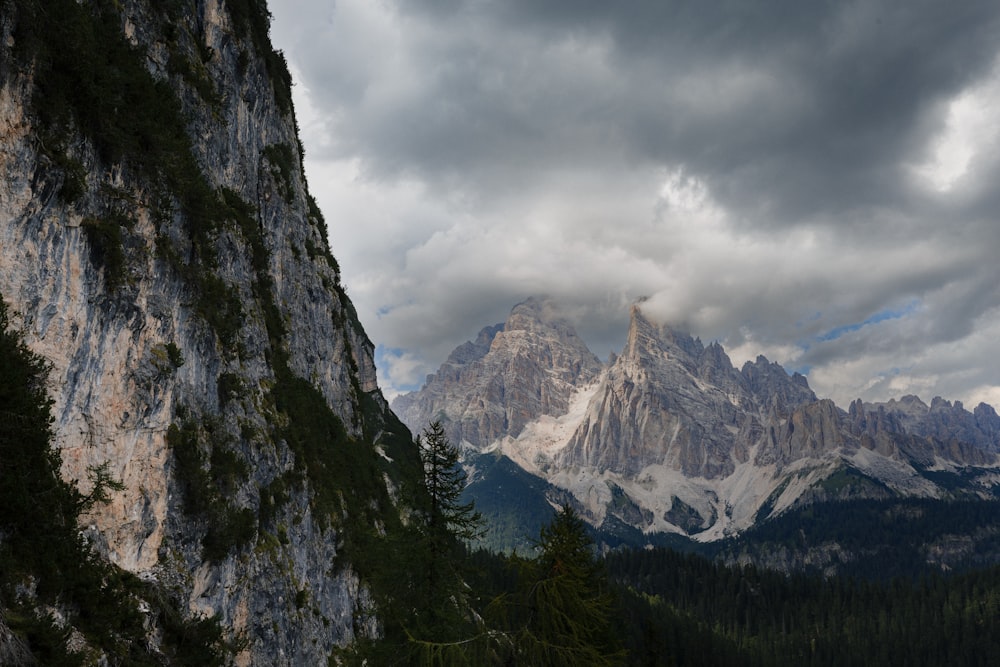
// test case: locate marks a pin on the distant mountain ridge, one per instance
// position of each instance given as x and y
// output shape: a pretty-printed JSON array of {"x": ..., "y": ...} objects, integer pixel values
[{"x": 669, "y": 437}]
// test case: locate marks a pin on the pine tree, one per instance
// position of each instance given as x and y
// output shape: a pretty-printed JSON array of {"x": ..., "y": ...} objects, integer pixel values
[
  {"x": 448, "y": 518},
  {"x": 563, "y": 613},
  {"x": 443, "y": 629}
]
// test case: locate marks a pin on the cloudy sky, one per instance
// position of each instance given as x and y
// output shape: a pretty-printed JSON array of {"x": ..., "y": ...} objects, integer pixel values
[{"x": 818, "y": 182}]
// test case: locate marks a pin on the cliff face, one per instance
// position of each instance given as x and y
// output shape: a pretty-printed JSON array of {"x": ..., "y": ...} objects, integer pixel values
[
  {"x": 669, "y": 400},
  {"x": 163, "y": 253},
  {"x": 675, "y": 429}
]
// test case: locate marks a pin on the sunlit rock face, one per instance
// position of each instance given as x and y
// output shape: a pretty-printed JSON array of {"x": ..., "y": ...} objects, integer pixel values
[
  {"x": 510, "y": 375},
  {"x": 132, "y": 352}
]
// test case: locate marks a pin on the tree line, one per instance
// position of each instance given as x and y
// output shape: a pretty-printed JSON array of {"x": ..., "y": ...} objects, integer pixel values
[{"x": 454, "y": 606}]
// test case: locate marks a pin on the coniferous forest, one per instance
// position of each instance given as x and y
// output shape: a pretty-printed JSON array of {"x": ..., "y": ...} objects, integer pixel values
[{"x": 559, "y": 604}]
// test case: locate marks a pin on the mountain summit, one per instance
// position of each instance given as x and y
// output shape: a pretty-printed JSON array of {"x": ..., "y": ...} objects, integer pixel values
[
  {"x": 512, "y": 374},
  {"x": 668, "y": 400}
]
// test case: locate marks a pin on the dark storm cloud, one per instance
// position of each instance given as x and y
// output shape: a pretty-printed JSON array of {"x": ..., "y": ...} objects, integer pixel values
[
  {"x": 788, "y": 109},
  {"x": 769, "y": 172}
]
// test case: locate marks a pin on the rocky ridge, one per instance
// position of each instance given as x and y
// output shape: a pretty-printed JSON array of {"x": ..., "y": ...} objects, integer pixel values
[
  {"x": 510, "y": 375},
  {"x": 671, "y": 438}
]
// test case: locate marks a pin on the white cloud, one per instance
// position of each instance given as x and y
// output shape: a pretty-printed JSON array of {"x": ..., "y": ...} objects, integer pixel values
[{"x": 970, "y": 129}]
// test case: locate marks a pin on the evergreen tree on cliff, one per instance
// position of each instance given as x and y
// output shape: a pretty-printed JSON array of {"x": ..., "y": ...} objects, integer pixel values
[{"x": 448, "y": 523}]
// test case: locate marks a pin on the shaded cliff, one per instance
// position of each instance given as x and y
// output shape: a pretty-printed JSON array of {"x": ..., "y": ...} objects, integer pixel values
[{"x": 159, "y": 247}]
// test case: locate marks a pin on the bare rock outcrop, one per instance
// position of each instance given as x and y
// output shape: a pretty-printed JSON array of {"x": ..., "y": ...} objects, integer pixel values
[{"x": 169, "y": 263}]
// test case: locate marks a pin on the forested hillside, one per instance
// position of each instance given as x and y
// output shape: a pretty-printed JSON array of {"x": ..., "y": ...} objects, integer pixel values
[{"x": 685, "y": 610}]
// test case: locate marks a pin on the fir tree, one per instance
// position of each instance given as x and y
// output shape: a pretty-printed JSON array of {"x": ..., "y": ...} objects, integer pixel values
[
  {"x": 443, "y": 630},
  {"x": 563, "y": 612},
  {"x": 448, "y": 518}
]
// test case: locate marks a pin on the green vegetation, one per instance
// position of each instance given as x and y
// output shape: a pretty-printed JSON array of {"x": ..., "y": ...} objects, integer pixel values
[
  {"x": 174, "y": 354},
  {"x": 561, "y": 610},
  {"x": 105, "y": 237},
  {"x": 252, "y": 19},
  {"x": 659, "y": 606},
  {"x": 229, "y": 387},
  {"x": 513, "y": 503},
  {"x": 880, "y": 539},
  {"x": 206, "y": 484},
  {"x": 441, "y": 605},
  {"x": 194, "y": 72},
  {"x": 91, "y": 83},
  {"x": 684, "y": 609},
  {"x": 282, "y": 161},
  {"x": 447, "y": 523}
]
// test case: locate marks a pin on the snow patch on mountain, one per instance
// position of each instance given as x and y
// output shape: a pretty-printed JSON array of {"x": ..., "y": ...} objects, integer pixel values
[{"x": 537, "y": 444}]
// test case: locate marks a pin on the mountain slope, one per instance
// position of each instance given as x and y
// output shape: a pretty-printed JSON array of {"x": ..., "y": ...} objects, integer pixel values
[{"x": 158, "y": 246}]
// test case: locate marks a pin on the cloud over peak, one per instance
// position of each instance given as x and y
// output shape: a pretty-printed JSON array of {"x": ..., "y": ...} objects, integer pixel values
[{"x": 768, "y": 172}]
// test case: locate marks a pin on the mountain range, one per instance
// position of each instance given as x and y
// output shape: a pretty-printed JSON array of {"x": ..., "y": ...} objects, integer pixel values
[{"x": 668, "y": 438}]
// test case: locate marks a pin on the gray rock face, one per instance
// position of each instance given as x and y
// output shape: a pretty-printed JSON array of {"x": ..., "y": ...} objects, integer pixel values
[
  {"x": 110, "y": 337},
  {"x": 668, "y": 400},
  {"x": 943, "y": 420},
  {"x": 512, "y": 374}
]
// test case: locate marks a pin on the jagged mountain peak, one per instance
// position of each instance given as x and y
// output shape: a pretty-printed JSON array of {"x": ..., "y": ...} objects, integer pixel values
[
  {"x": 942, "y": 420},
  {"x": 540, "y": 319},
  {"x": 540, "y": 309},
  {"x": 771, "y": 383},
  {"x": 647, "y": 335},
  {"x": 472, "y": 350},
  {"x": 531, "y": 366}
]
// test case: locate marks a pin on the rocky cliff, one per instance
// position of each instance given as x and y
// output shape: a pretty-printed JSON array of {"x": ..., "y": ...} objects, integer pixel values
[
  {"x": 669, "y": 400},
  {"x": 159, "y": 247}
]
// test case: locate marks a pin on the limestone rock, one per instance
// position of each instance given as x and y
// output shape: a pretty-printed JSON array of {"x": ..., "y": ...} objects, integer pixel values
[
  {"x": 192, "y": 320},
  {"x": 512, "y": 374},
  {"x": 670, "y": 436}
]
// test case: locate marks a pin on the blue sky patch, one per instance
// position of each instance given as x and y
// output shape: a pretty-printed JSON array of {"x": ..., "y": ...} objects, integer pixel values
[{"x": 881, "y": 316}]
